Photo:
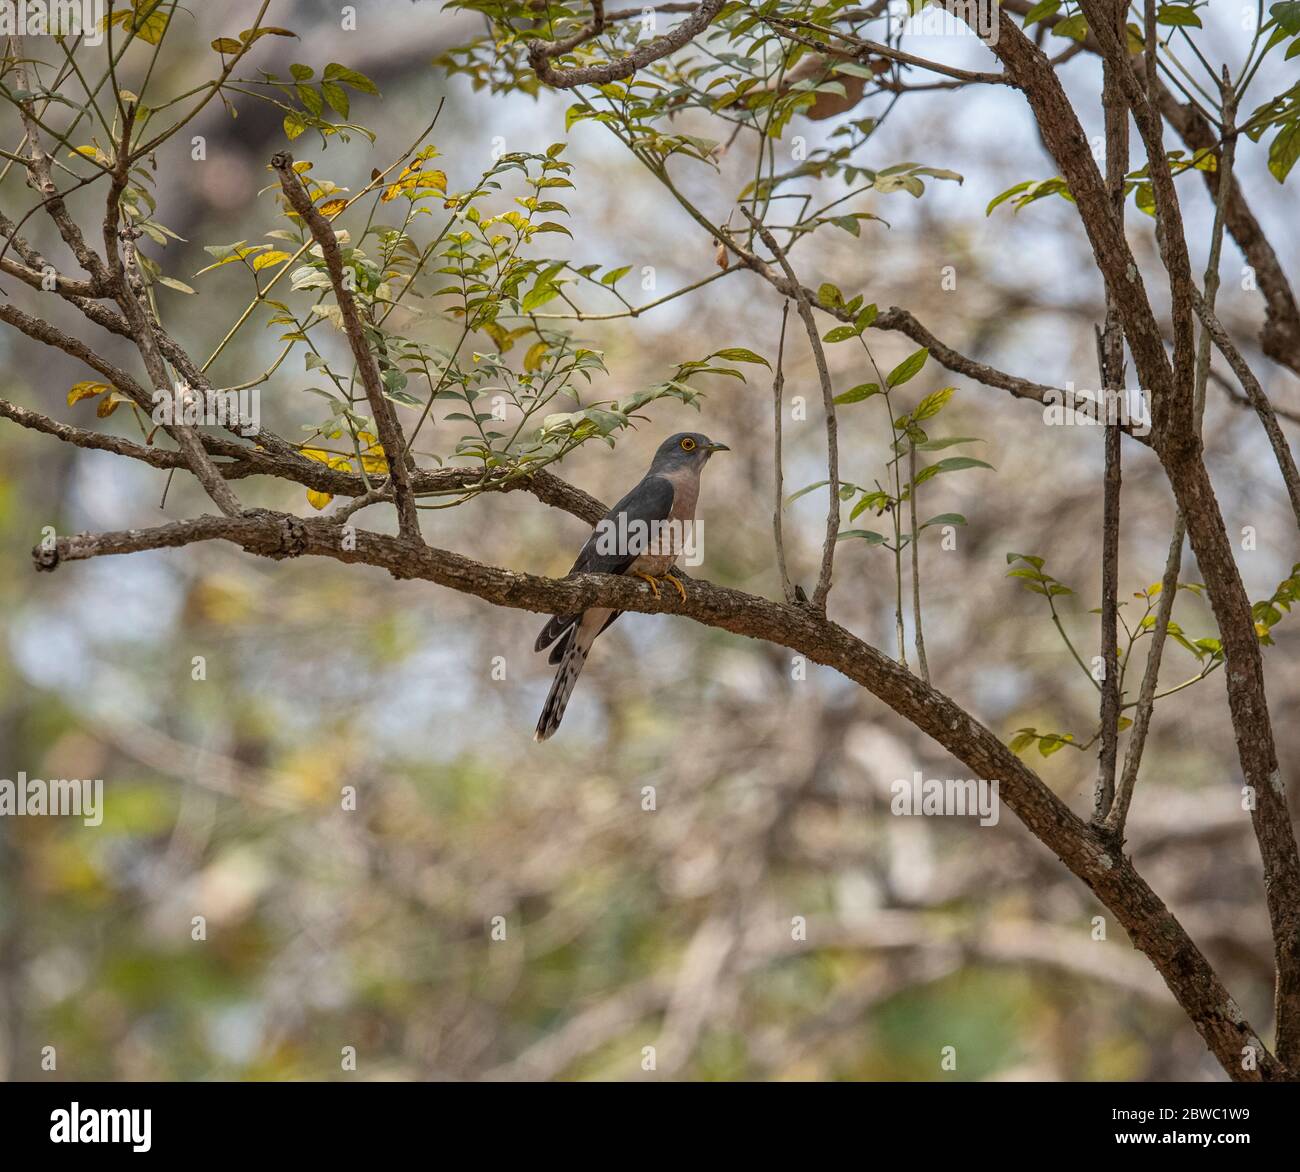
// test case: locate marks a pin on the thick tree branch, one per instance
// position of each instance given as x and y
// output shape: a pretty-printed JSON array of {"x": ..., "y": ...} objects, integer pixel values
[
  {"x": 1110, "y": 353},
  {"x": 1149, "y": 923},
  {"x": 541, "y": 53},
  {"x": 241, "y": 461}
]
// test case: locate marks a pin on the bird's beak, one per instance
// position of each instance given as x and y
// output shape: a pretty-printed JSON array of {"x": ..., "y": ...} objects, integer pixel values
[{"x": 717, "y": 448}]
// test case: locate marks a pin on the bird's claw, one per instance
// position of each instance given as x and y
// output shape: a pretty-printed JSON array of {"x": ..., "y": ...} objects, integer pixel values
[
  {"x": 649, "y": 581},
  {"x": 677, "y": 585}
]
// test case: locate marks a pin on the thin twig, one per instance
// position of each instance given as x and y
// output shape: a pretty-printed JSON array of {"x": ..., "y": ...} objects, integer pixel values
[
  {"x": 778, "y": 386},
  {"x": 804, "y": 307},
  {"x": 1258, "y": 399},
  {"x": 916, "y": 563}
]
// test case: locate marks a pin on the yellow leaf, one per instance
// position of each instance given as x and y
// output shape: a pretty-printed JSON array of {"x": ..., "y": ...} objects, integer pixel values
[
  {"x": 318, "y": 500},
  {"x": 85, "y": 390},
  {"x": 372, "y": 453},
  {"x": 533, "y": 359},
  {"x": 1261, "y": 630},
  {"x": 266, "y": 259},
  {"x": 148, "y": 27},
  {"x": 332, "y": 207}
]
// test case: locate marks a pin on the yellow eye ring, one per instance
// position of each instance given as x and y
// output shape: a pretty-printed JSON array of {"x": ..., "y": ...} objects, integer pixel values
[{"x": 688, "y": 444}]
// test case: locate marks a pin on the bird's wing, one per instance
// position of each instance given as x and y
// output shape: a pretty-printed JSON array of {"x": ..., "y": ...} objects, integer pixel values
[{"x": 649, "y": 501}]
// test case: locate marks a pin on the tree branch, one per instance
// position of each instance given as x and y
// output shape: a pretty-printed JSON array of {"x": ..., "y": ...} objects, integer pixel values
[
  {"x": 390, "y": 431},
  {"x": 778, "y": 407},
  {"x": 804, "y": 309},
  {"x": 540, "y": 53}
]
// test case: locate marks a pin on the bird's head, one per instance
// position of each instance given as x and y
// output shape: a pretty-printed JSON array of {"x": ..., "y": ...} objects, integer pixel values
[{"x": 686, "y": 449}]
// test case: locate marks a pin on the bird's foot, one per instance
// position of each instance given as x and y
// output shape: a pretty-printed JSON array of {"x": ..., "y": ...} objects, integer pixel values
[
  {"x": 677, "y": 585},
  {"x": 649, "y": 581}
]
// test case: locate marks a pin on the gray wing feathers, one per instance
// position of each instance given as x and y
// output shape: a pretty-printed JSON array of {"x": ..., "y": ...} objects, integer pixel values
[{"x": 651, "y": 500}]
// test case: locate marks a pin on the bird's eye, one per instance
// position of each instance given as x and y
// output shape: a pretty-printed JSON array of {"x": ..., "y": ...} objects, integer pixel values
[{"x": 688, "y": 444}]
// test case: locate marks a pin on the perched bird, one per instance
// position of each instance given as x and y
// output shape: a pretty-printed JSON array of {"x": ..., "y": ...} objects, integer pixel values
[{"x": 642, "y": 535}]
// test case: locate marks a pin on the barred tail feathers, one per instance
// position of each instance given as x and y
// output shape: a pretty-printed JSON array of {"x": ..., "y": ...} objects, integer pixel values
[{"x": 576, "y": 646}]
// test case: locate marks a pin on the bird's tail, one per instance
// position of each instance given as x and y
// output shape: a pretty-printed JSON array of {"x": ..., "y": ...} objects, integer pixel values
[{"x": 570, "y": 654}]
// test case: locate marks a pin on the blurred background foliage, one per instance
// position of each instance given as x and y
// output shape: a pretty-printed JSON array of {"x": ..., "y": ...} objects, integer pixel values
[{"x": 626, "y": 927}]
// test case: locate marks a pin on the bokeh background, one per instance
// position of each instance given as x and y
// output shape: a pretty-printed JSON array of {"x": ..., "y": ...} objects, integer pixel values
[{"x": 625, "y": 927}]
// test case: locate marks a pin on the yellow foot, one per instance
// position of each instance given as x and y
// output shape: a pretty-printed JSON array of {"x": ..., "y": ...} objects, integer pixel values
[
  {"x": 676, "y": 584},
  {"x": 649, "y": 581}
]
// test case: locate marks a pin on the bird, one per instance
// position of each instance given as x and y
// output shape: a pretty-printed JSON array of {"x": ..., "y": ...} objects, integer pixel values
[{"x": 640, "y": 535}]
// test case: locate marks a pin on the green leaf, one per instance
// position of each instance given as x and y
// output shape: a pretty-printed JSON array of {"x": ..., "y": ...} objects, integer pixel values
[
  {"x": 829, "y": 296},
  {"x": 1074, "y": 27},
  {"x": 1177, "y": 15},
  {"x": 1287, "y": 15},
  {"x": 358, "y": 81},
  {"x": 538, "y": 296},
  {"x": 945, "y": 519},
  {"x": 1043, "y": 9},
  {"x": 173, "y": 283},
  {"x": 950, "y": 464},
  {"x": 1054, "y": 743},
  {"x": 1284, "y": 151},
  {"x": 859, "y": 393},
  {"x": 933, "y": 403},
  {"x": 840, "y": 334},
  {"x": 1006, "y": 195},
  {"x": 907, "y": 368},
  {"x": 867, "y": 535},
  {"x": 740, "y": 354},
  {"x": 336, "y": 96},
  {"x": 937, "y": 445},
  {"x": 807, "y": 489},
  {"x": 1023, "y": 739},
  {"x": 854, "y": 69},
  {"x": 869, "y": 500},
  {"x": 865, "y": 318}
]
